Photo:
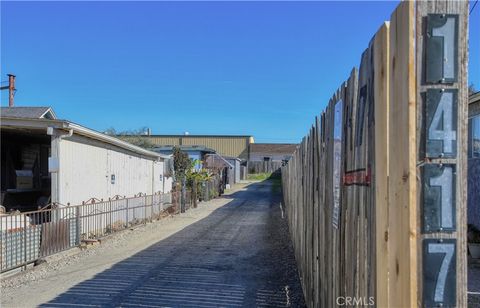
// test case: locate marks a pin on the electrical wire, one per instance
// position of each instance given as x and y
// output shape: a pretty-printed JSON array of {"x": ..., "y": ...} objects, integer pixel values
[{"x": 474, "y": 5}]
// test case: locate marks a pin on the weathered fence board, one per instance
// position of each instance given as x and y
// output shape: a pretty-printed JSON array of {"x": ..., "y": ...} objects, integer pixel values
[
  {"x": 354, "y": 188},
  {"x": 403, "y": 172},
  {"x": 255, "y": 167},
  {"x": 381, "y": 160}
]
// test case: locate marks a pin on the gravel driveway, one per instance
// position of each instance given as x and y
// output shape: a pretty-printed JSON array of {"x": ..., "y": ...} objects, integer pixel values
[{"x": 231, "y": 251}]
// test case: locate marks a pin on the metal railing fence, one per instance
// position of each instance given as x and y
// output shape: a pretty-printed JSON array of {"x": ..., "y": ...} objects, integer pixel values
[{"x": 26, "y": 237}]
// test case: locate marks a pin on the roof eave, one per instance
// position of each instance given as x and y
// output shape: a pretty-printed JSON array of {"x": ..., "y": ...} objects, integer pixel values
[{"x": 81, "y": 130}]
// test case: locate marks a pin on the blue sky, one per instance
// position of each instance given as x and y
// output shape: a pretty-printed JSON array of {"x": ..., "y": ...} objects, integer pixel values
[{"x": 257, "y": 68}]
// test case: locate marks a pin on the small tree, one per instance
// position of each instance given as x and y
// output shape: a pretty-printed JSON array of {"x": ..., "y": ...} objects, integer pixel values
[
  {"x": 136, "y": 137},
  {"x": 195, "y": 180},
  {"x": 182, "y": 164}
]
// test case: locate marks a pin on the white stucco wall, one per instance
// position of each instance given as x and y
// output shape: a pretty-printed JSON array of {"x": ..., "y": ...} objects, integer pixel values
[{"x": 86, "y": 167}]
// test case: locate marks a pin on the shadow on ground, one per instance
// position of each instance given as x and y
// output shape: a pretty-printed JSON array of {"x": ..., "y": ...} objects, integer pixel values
[{"x": 240, "y": 255}]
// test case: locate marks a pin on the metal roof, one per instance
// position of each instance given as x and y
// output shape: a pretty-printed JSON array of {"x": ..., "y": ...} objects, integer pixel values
[
  {"x": 44, "y": 124},
  {"x": 28, "y": 112},
  {"x": 272, "y": 148},
  {"x": 231, "y": 157},
  {"x": 474, "y": 98},
  {"x": 201, "y": 136},
  {"x": 200, "y": 148},
  {"x": 217, "y": 161}
]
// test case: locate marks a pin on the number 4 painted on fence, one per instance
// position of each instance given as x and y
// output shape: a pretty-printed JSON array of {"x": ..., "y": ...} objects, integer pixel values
[{"x": 441, "y": 112}]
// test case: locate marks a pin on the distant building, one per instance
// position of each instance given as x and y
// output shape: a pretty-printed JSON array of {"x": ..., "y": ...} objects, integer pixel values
[
  {"x": 473, "y": 199},
  {"x": 237, "y": 167},
  {"x": 271, "y": 151},
  {"x": 228, "y": 145},
  {"x": 44, "y": 158},
  {"x": 231, "y": 164},
  {"x": 195, "y": 152}
]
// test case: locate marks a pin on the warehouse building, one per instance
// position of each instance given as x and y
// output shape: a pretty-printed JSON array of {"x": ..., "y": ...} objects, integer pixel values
[
  {"x": 44, "y": 159},
  {"x": 225, "y": 145}
]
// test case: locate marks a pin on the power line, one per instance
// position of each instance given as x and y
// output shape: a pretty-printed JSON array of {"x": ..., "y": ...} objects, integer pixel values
[{"x": 474, "y": 5}]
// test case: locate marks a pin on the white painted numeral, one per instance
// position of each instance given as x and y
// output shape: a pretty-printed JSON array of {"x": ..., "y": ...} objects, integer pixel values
[
  {"x": 447, "y": 31},
  {"x": 443, "y": 115},
  {"x": 448, "y": 250},
  {"x": 445, "y": 182}
]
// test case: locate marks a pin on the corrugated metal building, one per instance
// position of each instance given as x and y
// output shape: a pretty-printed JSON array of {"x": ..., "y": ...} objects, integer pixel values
[
  {"x": 68, "y": 163},
  {"x": 235, "y": 146}
]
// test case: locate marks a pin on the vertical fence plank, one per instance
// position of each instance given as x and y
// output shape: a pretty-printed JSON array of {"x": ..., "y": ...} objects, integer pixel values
[
  {"x": 402, "y": 174},
  {"x": 381, "y": 161}
]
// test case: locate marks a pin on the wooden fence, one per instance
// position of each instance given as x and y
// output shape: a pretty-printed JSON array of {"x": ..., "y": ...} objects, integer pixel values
[
  {"x": 376, "y": 193},
  {"x": 255, "y": 167}
]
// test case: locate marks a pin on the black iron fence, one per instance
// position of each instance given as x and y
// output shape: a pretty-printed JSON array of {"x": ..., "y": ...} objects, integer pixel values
[{"x": 26, "y": 237}]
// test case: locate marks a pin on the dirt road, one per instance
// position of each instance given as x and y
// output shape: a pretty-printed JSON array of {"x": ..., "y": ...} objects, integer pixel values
[{"x": 232, "y": 251}]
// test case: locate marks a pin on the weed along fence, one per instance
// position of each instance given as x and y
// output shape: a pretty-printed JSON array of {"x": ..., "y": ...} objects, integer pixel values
[{"x": 376, "y": 193}]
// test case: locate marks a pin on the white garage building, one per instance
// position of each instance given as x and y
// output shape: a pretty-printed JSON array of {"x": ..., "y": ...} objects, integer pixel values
[{"x": 44, "y": 157}]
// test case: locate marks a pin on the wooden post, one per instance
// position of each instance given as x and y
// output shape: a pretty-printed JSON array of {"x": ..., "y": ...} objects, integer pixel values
[
  {"x": 194, "y": 193},
  {"x": 77, "y": 224},
  {"x": 25, "y": 256},
  {"x": 126, "y": 215},
  {"x": 456, "y": 38}
]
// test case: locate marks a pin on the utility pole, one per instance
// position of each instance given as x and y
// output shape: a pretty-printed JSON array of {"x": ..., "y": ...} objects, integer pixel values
[{"x": 11, "y": 89}]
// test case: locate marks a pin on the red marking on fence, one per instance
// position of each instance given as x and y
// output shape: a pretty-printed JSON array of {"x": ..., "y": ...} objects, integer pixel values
[{"x": 357, "y": 177}]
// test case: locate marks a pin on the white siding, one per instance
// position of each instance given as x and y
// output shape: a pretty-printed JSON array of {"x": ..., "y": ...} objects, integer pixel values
[
  {"x": 86, "y": 167},
  {"x": 168, "y": 184},
  {"x": 161, "y": 183}
]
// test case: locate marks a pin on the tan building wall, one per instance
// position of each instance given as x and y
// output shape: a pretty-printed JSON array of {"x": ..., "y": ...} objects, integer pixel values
[{"x": 236, "y": 146}]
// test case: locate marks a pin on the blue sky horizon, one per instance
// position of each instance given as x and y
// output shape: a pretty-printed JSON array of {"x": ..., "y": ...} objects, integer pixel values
[{"x": 231, "y": 68}]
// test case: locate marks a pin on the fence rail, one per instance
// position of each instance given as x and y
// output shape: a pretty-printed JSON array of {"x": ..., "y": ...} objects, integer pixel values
[
  {"x": 363, "y": 191},
  {"x": 26, "y": 237}
]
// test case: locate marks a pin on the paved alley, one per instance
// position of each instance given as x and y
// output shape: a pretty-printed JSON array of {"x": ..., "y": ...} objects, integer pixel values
[{"x": 239, "y": 254}]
